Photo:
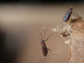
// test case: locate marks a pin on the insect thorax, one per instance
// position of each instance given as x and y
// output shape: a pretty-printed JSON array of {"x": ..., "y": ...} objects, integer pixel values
[{"x": 71, "y": 9}]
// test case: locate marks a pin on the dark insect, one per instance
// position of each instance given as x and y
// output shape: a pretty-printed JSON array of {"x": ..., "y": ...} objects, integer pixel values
[
  {"x": 67, "y": 15},
  {"x": 44, "y": 47}
]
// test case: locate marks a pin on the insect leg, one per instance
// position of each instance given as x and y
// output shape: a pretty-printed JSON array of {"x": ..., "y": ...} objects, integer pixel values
[
  {"x": 51, "y": 51},
  {"x": 75, "y": 14}
]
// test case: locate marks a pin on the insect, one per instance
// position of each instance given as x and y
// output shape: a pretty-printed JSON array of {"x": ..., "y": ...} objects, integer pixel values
[
  {"x": 67, "y": 15},
  {"x": 43, "y": 44}
]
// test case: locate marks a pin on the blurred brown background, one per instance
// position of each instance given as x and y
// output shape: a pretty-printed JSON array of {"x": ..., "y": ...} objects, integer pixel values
[{"x": 24, "y": 22}]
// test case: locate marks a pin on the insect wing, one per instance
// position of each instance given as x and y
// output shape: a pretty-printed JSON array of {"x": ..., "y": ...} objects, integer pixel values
[
  {"x": 67, "y": 16},
  {"x": 45, "y": 50}
]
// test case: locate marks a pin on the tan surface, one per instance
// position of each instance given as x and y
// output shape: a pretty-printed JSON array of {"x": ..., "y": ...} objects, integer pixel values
[{"x": 33, "y": 18}]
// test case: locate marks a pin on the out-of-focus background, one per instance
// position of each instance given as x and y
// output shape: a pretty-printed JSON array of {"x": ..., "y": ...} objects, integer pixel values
[{"x": 20, "y": 25}]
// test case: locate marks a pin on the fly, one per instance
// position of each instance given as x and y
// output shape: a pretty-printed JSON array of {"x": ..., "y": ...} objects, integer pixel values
[{"x": 43, "y": 44}]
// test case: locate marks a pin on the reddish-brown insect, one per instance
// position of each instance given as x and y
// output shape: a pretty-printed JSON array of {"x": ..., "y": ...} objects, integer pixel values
[{"x": 44, "y": 47}]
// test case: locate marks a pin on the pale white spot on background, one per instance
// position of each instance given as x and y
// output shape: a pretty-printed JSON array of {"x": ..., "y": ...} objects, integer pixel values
[
  {"x": 67, "y": 42},
  {"x": 53, "y": 29}
]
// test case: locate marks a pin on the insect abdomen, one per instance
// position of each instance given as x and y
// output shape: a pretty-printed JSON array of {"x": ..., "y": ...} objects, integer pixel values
[{"x": 45, "y": 51}]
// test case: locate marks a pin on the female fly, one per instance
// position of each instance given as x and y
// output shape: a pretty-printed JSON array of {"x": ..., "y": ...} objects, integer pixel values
[{"x": 44, "y": 47}]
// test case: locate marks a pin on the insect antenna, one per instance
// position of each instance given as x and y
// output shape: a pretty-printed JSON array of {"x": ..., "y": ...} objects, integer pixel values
[
  {"x": 51, "y": 51},
  {"x": 73, "y": 4},
  {"x": 41, "y": 35},
  {"x": 44, "y": 33},
  {"x": 48, "y": 37},
  {"x": 70, "y": 5}
]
